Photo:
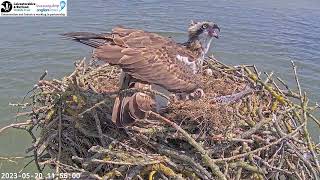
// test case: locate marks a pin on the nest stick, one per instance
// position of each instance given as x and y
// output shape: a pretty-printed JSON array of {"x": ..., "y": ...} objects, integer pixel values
[{"x": 207, "y": 160}]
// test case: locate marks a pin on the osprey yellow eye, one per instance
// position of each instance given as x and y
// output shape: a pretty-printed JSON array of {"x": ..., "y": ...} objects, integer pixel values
[{"x": 205, "y": 26}]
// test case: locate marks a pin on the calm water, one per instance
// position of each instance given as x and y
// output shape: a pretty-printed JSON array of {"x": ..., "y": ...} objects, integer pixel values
[{"x": 268, "y": 34}]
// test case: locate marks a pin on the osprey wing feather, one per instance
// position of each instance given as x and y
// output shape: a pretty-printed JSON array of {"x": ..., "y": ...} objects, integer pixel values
[{"x": 150, "y": 58}]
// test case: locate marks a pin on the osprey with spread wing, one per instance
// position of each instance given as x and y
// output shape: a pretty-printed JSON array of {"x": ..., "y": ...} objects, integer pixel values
[{"x": 150, "y": 59}]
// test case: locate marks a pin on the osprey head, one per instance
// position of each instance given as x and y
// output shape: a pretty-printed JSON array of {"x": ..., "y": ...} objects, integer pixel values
[
  {"x": 203, "y": 33},
  {"x": 205, "y": 29},
  {"x": 200, "y": 38}
]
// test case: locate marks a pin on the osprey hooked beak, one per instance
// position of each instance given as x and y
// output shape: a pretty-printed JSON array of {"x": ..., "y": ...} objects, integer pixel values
[{"x": 213, "y": 31}]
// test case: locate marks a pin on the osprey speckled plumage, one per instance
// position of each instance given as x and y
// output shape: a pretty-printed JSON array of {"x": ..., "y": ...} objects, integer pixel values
[{"x": 149, "y": 58}]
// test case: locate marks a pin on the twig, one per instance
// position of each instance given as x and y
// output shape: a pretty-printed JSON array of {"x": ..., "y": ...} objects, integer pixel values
[
  {"x": 16, "y": 125},
  {"x": 246, "y": 166},
  {"x": 59, "y": 139},
  {"x": 96, "y": 118},
  {"x": 10, "y": 159},
  {"x": 136, "y": 163},
  {"x": 268, "y": 165},
  {"x": 257, "y": 126},
  {"x": 207, "y": 160},
  {"x": 303, "y": 105},
  {"x": 259, "y": 149},
  {"x": 94, "y": 106}
]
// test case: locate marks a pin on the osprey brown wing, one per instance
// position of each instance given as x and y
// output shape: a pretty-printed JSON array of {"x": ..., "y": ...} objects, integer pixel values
[
  {"x": 146, "y": 56},
  {"x": 151, "y": 58}
]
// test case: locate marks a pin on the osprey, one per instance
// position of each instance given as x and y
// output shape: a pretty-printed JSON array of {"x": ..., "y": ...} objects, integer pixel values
[{"x": 150, "y": 59}]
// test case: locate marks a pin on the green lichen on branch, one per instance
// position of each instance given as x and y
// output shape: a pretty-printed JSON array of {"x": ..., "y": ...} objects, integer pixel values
[{"x": 246, "y": 127}]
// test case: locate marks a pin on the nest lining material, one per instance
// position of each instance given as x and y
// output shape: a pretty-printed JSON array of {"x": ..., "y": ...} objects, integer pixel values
[{"x": 232, "y": 133}]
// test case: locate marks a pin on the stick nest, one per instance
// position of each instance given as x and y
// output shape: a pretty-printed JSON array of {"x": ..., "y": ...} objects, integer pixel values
[{"x": 246, "y": 127}]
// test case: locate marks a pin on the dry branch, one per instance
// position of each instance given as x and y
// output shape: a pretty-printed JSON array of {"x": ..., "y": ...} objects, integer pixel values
[{"x": 246, "y": 127}]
